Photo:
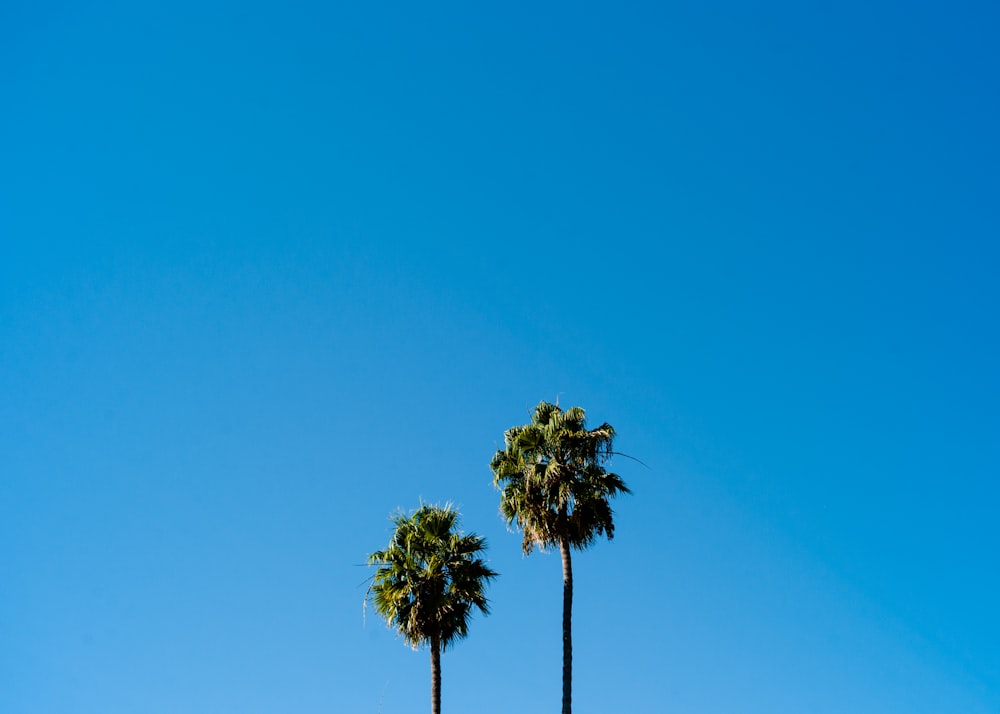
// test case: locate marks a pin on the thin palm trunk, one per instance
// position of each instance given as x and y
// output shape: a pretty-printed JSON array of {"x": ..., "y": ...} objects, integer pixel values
[
  {"x": 435, "y": 675},
  {"x": 567, "y": 625}
]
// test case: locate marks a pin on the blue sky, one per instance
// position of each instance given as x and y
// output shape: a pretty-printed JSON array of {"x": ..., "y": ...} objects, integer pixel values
[{"x": 271, "y": 272}]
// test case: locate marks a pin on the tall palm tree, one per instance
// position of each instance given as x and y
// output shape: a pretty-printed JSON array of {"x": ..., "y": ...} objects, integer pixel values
[
  {"x": 429, "y": 579},
  {"x": 555, "y": 488}
]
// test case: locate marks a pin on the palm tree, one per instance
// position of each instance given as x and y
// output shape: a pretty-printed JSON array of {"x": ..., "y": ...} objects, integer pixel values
[
  {"x": 554, "y": 487},
  {"x": 428, "y": 581}
]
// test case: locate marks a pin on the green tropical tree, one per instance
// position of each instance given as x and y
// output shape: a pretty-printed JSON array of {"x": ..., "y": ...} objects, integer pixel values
[
  {"x": 429, "y": 579},
  {"x": 555, "y": 489}
]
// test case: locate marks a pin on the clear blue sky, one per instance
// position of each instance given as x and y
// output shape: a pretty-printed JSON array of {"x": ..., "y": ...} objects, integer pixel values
[{"x": 270, "y": 271}]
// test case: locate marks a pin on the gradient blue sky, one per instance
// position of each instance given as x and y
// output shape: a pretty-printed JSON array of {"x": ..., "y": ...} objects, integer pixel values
[{"x": 269, "y": 272}]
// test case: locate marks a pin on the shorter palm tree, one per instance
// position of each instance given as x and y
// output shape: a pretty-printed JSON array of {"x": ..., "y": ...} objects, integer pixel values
[{"x": 429, "y": 579}]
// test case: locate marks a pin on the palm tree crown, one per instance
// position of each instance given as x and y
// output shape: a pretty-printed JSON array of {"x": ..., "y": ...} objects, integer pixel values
[
  {"x": 430, "y": 577},
  {"x": 553, "y": 483}
]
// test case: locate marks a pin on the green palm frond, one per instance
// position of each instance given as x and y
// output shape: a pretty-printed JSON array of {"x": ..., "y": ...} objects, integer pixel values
[
  {"x": 430, "y": 578},
  {"x": 553, "y": 480}
]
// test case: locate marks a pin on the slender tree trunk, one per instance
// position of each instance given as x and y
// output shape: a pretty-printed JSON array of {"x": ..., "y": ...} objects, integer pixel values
[
  {"x": 435, "y": 675},
  {"x": 567, "y": 627}
]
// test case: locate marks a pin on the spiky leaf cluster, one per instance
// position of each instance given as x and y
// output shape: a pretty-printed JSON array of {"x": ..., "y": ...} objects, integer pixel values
[
  {"x": 552, "y": 478},
  {"x": 430, "y": 577}
]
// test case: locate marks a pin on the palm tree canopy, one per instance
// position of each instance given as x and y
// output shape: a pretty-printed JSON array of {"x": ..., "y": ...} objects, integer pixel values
[
  {"x": 552, "y": 478},
  {"x": 430, "y": 577}
]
